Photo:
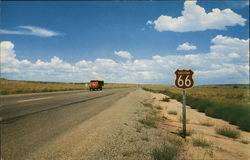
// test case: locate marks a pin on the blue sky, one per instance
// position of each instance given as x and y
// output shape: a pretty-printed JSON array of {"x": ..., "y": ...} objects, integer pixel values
[{"x": 130, "y": 42}]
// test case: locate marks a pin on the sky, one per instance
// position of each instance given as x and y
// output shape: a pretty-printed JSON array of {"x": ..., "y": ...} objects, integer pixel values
[{"x": 125, "y": 42}]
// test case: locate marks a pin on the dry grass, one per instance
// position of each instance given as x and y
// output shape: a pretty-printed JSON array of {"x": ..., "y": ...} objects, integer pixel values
[
  {"x": 172, "y": 112},
  {"x": 130, "y": 153},
  {"x": 17, "y": 87},
  {"x": 228, "y": 103},
  {"x": 201, "y": 142},
  {"x": 170, "y": 150},
  {"x": 245, "y": 141},
  {"x": 189, "y": 132},
  {"x": 166, "y": 99},
  {"x": 228, "y": 132},
  {"x": 220, "y": 94},
  {"x": 206, "y": 123}
]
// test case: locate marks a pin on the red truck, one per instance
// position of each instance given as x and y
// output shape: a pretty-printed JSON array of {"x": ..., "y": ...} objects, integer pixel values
[{"x": 95, "y": 85}]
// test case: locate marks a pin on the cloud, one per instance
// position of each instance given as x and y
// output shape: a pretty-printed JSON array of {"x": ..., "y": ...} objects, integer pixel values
[
  {"x": 238, "y": 4},
  {"x": 195, "y": 18},
  {"x": 186, "y": 47},
  {"x": 123, "y": 54},
  {"x": 31, "y": 30},
  {"x": 226, "y": 62}
]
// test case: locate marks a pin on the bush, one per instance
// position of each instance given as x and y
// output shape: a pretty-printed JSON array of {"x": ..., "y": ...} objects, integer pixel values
[
  {"x": 172, "y": 112},
  {"x": 165, "y": 99},
  {"x": 167, "y": 152},
  {"x": 206, "y": 123},
  {"x": 228, "y": 132},
  {"x": 149, "y": 121},
  {"x": 201, "y": 142}
]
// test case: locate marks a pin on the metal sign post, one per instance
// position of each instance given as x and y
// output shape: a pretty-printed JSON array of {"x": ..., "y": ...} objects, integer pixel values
[
  {"x": 184, "y": 80},
  {"x": 184, "y": 113}
]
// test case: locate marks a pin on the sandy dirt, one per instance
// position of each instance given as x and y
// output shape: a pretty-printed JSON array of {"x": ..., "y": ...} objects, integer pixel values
[
  {"x": 117, "y": 134},
  {"x": 222, "y": 148}
]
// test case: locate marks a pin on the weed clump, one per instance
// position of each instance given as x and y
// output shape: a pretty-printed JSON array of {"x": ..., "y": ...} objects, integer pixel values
[
  {"x": 167, "y": 152},
  {"x": 149, "y": 121},
  {"x": 206, "y": 123},
  {"x": 201, "y": 142},
  {"x": 172, "y": 112},
  {"x": 228, "y": 132},
  {"x": 170, "y": 149},
  {"x": 165, "y": 99},
  {"x": 159, "y": 107}
]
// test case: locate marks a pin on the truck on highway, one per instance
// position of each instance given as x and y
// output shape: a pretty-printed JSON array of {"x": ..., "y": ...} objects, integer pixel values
[{"x": 95, "y": 85}]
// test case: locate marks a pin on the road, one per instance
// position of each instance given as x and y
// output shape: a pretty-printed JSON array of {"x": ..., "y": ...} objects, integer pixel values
[{"x": 30, "y": 121}]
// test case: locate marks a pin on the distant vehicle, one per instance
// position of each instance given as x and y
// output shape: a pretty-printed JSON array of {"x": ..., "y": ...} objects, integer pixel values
[{"x": 95, "y": 85}]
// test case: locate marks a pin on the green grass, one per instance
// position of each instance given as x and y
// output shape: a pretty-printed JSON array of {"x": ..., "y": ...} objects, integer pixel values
[
  {"x": 172, "y": 112},
  {"x": 201, "y": 142},
  {"x": 230, "y": 104},
  {"x": 228, "y": 132}
]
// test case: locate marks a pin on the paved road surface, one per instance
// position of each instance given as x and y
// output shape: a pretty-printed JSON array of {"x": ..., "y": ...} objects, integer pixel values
[{"x": 30, "y": 121}]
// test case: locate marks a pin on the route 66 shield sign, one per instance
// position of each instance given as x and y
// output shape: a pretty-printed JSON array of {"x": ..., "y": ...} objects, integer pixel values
[{"x": 184, "y": 78}]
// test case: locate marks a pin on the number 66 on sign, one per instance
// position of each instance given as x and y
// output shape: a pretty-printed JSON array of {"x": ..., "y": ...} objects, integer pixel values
[{"x": 184, "y": 78}]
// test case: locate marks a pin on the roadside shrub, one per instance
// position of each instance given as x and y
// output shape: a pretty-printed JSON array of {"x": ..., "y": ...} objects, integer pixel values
[
  {"x": 149, "y": 121},
  {"x": 206, "y": 123},
  {"x": 165, "y": 99},
  {"x": 166, "y": 152},
  {"x": 159, "y": 107},
  {"x": 244, "y": 141},
  {"x": 201, "y": 142},
  {"x": 172, "y": 112},
  {"x": 228, "y": 132}
]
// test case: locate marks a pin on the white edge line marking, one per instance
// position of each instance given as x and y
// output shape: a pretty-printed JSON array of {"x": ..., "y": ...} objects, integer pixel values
[{"x": 34, "y": 99}]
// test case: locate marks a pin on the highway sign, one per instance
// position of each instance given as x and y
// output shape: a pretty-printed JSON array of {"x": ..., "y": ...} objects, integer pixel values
[{"x": 184, "y": 78}]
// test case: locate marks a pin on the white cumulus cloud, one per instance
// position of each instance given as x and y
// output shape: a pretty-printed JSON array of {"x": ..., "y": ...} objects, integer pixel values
[
  {"x": 226, "y": 62},
  {"x": 186, "y": 47},
  {"x": 31, "y": 30},
  {"x": 123, "y": 54},
  {"x": 195, "y": 18}
]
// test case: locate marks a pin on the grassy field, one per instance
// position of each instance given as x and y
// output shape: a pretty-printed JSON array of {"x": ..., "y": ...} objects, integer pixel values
[
  {"x": 228, "y": 103},
  {"x": 18, "y": 87}
]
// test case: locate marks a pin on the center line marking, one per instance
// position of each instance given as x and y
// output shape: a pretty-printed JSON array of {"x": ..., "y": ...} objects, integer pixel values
[{"x": 34, "y": 99}]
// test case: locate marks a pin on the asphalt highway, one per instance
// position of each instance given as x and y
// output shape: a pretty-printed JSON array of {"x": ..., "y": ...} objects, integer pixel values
[{"x": 30, "y": 121}]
